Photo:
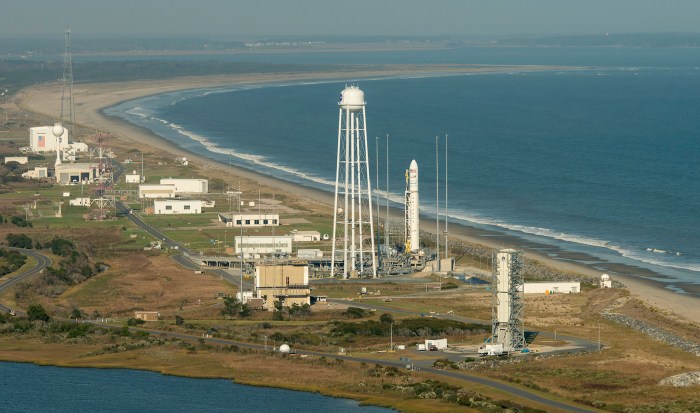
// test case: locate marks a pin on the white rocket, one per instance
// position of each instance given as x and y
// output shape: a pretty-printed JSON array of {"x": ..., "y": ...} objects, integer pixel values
[{"x": 411, "y": 209}]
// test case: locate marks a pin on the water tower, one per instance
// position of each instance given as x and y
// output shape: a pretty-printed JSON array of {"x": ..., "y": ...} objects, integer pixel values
[
  {"x": 57, "y": 133},
  {"x": 352, "y": 220},
  {"x": 508, "y": 301}
]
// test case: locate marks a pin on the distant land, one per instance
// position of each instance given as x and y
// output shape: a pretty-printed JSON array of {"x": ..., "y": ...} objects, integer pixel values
[{"x": 31, "y": 46}]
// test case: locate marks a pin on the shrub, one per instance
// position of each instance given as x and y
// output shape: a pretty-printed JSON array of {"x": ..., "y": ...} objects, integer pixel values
[
  {"x": 19, "y": 241},
  {"x": 134, "y": 322},
  {"x": 20, "y": 221},
  {"x": 36, "y": 312}
]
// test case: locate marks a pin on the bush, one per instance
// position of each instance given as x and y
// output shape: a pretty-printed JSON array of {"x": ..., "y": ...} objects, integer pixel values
[
  {"x": 19, "y": 241},
  {"x": 134, "y": 322},
  {"x": 20, "y": 221},
  {"x": 355, "y": 312},
  {"x": 179, "y": 320},
  {"x": 36, "y": 312}
]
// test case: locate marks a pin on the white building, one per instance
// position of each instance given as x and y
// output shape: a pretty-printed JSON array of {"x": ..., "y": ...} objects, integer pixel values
[
  {"x": 308, "y": 254},
  {"x": 187, "y": 186},
  {"x": 39, "y": 172},
  {"x": 22, "y": 160},
  {"x": 132, "y": 178},
  {"x": 177, "y": 206},
  {"x": 75, "y": 173},
  {"x": 41, "y": 139},
  {"x": 83, "y": 202},
  {"x": 156, "y": 191},
  {"x": 440, "y": 344},
  {"x": 552, "y": 287},
  {"x": 305, "y": 236},
  {"x": 266, "y": 244},
  {"x": 605, "y": 281},
  {"x": 250, "y": 220}
]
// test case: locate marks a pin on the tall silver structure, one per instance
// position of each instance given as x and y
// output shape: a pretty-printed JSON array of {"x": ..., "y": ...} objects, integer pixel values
[
  {"x": 508, "y": 300},
  {"x": 352, "y": 218}
]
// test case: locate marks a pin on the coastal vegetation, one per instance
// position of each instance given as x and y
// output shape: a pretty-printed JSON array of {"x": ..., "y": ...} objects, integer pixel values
[{"x": 101, "y": 273}]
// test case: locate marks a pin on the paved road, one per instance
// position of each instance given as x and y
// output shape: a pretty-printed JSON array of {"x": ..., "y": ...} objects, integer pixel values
[
  {"x": 508, "y": 388},
  {"x": 581, "y": 343},
  {"x": 42, "y": 262}
]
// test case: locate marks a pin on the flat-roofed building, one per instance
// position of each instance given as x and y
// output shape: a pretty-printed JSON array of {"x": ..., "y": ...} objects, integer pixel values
[
  {"x": 22, "y": 160},
  {"x": 187, "y": 185},
  {"x": 132, "y": 178},
  {"x": 41, "y": 139},
  {"x": 250, "y": 220},
  {"x": 265, "y": 244},
  {"x": 39, "y": 172},
  {"x": 305, "y": 236},
  {"x": 285, "y": 283},
  {"x": 177, "y": 206},
  {"x": 156, "y": 191},
  {"x": 75, "y": 173},
  {"x": 147, "y": 315}
]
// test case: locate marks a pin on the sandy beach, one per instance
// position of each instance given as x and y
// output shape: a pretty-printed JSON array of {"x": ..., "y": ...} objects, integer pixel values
[{"x": 91, "y": 99}]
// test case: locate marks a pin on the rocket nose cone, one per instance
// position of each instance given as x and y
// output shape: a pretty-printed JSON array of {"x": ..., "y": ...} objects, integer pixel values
[{"x": 414, "y": 164}]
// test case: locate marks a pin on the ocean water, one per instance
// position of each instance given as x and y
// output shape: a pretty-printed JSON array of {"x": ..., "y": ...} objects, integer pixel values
[
  {"x": 28, "y": 388},
  {"x": 601, "y": 160}
]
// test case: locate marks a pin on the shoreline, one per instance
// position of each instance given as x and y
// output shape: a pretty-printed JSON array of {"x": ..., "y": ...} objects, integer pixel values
[{"x": 91, "y": 99}]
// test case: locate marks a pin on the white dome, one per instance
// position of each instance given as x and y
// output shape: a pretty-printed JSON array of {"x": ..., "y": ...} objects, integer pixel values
[
  {"x": 57, "y": 130},
  {"x": 352, "y": 98},
  {"x": 605, "y": 277},
  {"x": 284, "y": 348}
]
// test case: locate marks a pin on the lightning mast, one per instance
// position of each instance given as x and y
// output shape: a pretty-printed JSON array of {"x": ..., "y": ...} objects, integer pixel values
[{"x": 67, "y": 86}]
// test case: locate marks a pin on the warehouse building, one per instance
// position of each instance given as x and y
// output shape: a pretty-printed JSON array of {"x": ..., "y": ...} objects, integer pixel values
[
  {"x": 305, "y": 236},
  {"x": 250, "y": 220},
  {"x": 266, "y": 244},
  {"x": 156, "y": 191},
  {"x": 75, "y": 173},
  {"x": 187, "y": 186},
  {"x": 288, "y": 284},
  {"x": 177, "y": 206}
]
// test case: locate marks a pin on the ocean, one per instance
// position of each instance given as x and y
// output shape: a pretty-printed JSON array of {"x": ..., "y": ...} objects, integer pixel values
[
  {"x": 601, "y": 159},
  {"x": 30, "y": 388}
]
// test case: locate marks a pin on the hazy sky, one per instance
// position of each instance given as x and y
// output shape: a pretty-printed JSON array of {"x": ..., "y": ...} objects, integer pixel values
[{"x": 332, "y": 17}]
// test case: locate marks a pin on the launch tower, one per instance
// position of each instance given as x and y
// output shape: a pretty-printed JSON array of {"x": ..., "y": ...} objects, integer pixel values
[
  {"x": 352, "y": 218},
  {"x": 508, "y": 301}
]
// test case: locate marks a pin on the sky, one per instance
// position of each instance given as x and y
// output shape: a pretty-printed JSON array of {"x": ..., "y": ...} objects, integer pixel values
[{"x": 240, "y": 18}]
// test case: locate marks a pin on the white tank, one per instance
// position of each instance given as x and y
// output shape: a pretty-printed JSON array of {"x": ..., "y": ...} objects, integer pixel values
[
  {"x": 57, "y": 130},
  {"x": 605, "y": 277},
  {"x": 352, "y": 98},
  {"x": 284, "y": 348}
]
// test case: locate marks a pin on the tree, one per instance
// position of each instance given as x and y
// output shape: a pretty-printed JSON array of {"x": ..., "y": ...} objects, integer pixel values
[
  {"x": 20, "y": 221},
  {"x": 19, "y": 241},
  {"x": 37, "y": 312},
  {"x": 386, "y": 318},
  {"x": 179, "y": 320},
  {"x": 76, "y": 313}
]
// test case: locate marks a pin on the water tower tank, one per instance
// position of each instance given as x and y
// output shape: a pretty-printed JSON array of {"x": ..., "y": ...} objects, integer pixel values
[
  {"x": 605, "y": 277},
  {"x": 352, "y": 98},
  {"x": 284, "y": 348},
  {"x": 57, "y": 130}
]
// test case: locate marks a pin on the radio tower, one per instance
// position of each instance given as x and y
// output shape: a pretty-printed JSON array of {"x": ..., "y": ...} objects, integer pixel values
[
  {"x": 353, "y": 190},
  {"x": 67, "y": 86}
]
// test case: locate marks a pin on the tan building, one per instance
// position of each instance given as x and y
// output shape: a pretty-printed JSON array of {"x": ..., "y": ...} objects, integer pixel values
[
  {"x": 287, "y": 283},
  {"x": 147, "y": 315}
]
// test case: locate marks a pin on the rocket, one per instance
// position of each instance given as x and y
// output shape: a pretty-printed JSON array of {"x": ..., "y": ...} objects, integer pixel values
[{"x": 411, "y": 209}]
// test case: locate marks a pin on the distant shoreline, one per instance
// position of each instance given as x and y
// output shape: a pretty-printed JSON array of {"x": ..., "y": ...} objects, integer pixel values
[{"x": 92, "y": 99}]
